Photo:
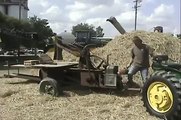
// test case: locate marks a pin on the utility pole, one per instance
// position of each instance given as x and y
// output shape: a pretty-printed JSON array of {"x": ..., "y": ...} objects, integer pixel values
[
  {"x": 136, "y": 6},
  {"x": 19, "y": 9},
  {"x": 19, "y": 38}
]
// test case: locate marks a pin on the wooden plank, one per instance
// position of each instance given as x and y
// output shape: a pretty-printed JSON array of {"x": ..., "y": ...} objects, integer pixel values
[
  {"x": 59, "y": 65},
  {"x": 25, "y": 76},
  {"x": 31, "y": 62},
  {"x": 134, "y": 89}
]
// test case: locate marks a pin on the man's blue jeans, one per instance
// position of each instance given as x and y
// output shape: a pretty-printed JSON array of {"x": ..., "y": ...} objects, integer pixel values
[{"x": 132, "y": 70}]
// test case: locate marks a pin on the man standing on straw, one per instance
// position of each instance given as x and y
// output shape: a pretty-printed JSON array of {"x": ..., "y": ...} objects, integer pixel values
[{"x": 140, "y": 60}]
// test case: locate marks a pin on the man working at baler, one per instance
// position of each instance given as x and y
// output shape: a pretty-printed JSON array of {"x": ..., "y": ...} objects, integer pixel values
[{"x": 140, "y": 60}]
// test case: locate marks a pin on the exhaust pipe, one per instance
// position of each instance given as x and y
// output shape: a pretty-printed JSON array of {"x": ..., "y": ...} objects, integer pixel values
[{"x": 116, "y": 24}]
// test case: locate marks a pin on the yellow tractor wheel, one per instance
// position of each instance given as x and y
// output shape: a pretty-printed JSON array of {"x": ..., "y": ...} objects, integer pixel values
[{"x": 162, "y": 96}]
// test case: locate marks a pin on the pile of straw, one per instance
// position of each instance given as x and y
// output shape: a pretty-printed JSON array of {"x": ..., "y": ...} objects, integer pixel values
[{"x": 120, "y": 47}]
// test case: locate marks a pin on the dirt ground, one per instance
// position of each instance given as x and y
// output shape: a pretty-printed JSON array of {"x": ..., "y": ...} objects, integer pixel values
[{"x": 21, "y": 100}]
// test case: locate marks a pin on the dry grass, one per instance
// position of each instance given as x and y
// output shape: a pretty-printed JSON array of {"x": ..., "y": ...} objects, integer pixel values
[
  {"x": 8, "y": 93},
  {"x": 23, "y": 101}
]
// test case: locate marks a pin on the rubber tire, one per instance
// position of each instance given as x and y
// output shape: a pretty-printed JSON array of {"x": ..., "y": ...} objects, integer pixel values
[
  {"x": 53, "y": 83},
  {"x": 175, "y": 86}
]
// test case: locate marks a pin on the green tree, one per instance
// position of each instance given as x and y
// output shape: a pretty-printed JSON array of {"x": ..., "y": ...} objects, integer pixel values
[
  {"x": 15, "y": 32},
  {"x": 99, "y": 31},
  {"x": 43, "y": 30},
  {"x": 84, "y": 27},
  {"x": 12, "y": 31},
  {"x": 2, "y": 19},
  {"x": 179, "y": 36}
]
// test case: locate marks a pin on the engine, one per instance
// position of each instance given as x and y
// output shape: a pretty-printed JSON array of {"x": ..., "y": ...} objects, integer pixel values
[{"x": 110, "y": 78}]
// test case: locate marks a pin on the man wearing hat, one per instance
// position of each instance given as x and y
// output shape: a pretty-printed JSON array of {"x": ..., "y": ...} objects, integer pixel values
[{"x": 140, "y": 60}]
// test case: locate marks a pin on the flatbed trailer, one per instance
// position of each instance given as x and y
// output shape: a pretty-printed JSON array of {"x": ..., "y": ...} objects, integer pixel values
[
  {"x": 38, "y": 66},
  {"x": 54, "y": 77},
  {"x": 41, "y": 67}
]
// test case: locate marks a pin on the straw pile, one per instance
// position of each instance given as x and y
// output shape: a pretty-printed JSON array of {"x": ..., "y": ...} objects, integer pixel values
[{"x": 120, "y": 47}]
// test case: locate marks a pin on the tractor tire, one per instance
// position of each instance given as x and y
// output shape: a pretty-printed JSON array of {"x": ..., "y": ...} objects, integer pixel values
[
  {"x": 49, "y": 86},
  {"x": 162, "y": 95}
]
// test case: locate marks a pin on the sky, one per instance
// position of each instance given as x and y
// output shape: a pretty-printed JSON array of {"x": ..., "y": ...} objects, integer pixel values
[{"x": 63, "y": 14}]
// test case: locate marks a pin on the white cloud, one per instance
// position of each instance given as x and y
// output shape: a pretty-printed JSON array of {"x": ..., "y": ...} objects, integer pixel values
[
  {"x": 68, "y": 13},
  {"x": 59, "y": 27},
  {"x": 77, "y": 6},
  {"x": 97, "y": 2},
  {"x": 76, "y": 11},
  {"x": 126, "y": 17},
  {"x": 96, "y": 21},
  {"x": 42, "y": 3},
  {"x": 83, "y": 10},
  {"x": 147, "y": 1},
  {"x": 76, "y": 15},
  {"x": 38, "y": 6},
  {"x": 163, "y": 10},
  {"x": 52, "y": 13},
  {"x": 161, "y": 13},
  {"x": 97, "y": 14}
]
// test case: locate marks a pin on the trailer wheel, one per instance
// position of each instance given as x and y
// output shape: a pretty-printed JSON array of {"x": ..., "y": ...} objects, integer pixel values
[
  {"x": 162, "y": 95},
  {"x": 49, "y": 86}
]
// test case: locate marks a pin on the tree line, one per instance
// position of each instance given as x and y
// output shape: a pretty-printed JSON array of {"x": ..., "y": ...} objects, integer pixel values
[
  {"x": 33, "y": 32},
  {"x": 29, "y": 33}
]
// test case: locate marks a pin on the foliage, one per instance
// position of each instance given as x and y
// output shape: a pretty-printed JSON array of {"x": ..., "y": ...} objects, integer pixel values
[
  {"x": 19, "y": 32},
  {"x": 99, "y": 31},
  {"x": 179, "y": 36},
  {"x": 43, "y": 30},
  {"x": 86, "y": 27}
]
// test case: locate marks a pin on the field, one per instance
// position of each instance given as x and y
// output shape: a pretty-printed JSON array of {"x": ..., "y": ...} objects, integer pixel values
[{"x": 21, "y": 100}]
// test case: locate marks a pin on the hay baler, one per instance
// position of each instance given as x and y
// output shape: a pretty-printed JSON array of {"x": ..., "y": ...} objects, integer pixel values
[{"x": 90, "y": 71}]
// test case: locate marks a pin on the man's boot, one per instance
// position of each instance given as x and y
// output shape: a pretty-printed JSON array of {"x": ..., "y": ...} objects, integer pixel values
[{"x": 130, "y": 82}]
